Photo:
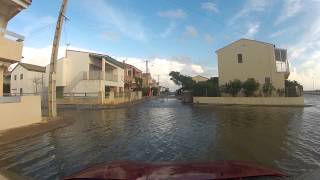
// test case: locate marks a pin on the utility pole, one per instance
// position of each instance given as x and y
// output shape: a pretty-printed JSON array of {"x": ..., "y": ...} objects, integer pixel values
[
  {"x": 52, "y": 105},
  {"x": 147, "y": 66}
]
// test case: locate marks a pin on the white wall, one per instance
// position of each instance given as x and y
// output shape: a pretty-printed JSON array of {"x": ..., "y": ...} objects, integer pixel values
[{"x": 27, "y": 83}]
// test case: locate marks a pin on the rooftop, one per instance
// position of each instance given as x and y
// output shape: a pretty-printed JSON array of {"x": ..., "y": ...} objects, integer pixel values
[{"x": 31, "y": 67}]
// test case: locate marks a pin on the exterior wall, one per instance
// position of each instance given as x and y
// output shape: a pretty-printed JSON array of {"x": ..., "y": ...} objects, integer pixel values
[
  {"x": 199, "y": 79},
  {"x": 72, "y": 69},
  {"x": 110, "y": 100},
  {"x": 88, "y": 86},
  {"x": 27, "y": 83},
  {"x": 276, "y": 101},
  {"x": 25, "y": 112},
  {"x": 258, "y": 63},
  {"x": 10, "y": 49}
]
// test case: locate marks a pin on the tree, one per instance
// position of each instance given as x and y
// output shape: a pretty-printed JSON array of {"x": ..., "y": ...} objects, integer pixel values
[
  {"x": 293, "y": 88},
  {"x": 181, "y": 80},
  {"x": 208, "y": 88},
  {"x": 267, "y": 88},
  {"x": 250, "y": 86},
  {"x": 232, "y": 87},
  {"x": 138, "y": 83},
  {"x": 36, "y": 81}
]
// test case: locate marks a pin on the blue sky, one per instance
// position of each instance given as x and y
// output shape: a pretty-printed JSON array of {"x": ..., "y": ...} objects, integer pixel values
[{"x": 176, "y": 34}]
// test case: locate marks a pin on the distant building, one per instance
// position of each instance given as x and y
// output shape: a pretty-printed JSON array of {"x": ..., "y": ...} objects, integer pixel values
[
  {"x": 27, "y": 79},
  {"x": 86, "y": 72},
  {"x": 199, "y": 78},
  {"x": 247, "y": 58},
  {"x": 146, "y": 80},
  {"x": 130, "y": 75}
]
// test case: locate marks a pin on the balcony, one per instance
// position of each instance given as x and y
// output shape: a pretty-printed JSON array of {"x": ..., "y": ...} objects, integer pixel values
[
  {"x": 11, "y": 46},
  {"x": 98, "y": 75},
  {"x": 111, "y": 77}
]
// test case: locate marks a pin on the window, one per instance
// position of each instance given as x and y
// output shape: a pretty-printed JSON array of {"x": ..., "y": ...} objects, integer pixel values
[
  {"x": 239, "y": 58},
  {"x": 21, "y": 76},
  {"x": 21, "y": 91},
  {"x": 267, "y": 80},
  {"x": 15, "y": 77},
  {"x": 280, "y": 55},
  {"x": 129, "y": 72}
]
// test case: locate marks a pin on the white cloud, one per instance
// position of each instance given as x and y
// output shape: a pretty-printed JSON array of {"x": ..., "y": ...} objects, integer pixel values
[
  {"x": 168, "y": 31},
  {"x": 304, "y": 55},
  {"x": 278, "y": 33},
  {"x": 209, "y": 6},
  {"x": 105, "y": 14},
  {"x": 110, "y": 36},
  {"x": 208, "y": 38},
  {"x": 163, "y": 66},
  {"x": 249, "y": 7},
  {"x": 290, "y": 9},
  {"x": 191, "y": 31},
  {"x": 252, "y": 30},
  {"x": 173, "y": 14},
  {"x": 197, "y": 68}
]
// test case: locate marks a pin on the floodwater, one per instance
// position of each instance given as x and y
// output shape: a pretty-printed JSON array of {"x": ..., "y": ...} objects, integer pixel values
[{"x": 285, "y": 138}]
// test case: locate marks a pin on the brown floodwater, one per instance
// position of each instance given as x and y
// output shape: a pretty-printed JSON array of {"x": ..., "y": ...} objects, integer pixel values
[{"x": 285, "y": 138}]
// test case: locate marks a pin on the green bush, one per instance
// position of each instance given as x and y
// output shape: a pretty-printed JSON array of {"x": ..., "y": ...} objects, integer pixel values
[
  {"x": 267, "y": 89},
  {"x": 232, "y": 87},
  {"x": 293, "y": 88},
  {"x": 145, "y": 91},
  {"x": 209, "y": 88},
  {"x": 250, "y": 86}
]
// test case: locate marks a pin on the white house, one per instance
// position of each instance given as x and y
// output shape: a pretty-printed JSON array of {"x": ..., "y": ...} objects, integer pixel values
[
  {"x": 85, "y": 72},
  {"x": 27, "y": 79}
]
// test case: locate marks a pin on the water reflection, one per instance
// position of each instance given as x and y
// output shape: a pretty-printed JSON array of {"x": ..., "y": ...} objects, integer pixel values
[{"x": 166, "y": 130}]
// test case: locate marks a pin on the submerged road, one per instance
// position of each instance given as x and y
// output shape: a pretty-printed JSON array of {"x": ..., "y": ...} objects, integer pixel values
[{"x": 285, "y": 138}]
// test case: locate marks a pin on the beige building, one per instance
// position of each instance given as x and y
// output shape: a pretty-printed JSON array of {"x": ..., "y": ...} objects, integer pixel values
[
  {"x": 247, "y": 58},
  {"x": 15, "y": 111},
  {"x": 27, "y": 79},
  {"x": 11, "y": 43},
  {"x": 130, "y": 75},
  {"x": 199, "y": 78},
  {"x": 85, "y": 72}
]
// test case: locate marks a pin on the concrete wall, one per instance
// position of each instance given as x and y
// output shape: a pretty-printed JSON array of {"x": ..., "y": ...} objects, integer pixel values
[
  {"x": 27, "y": 83},
  {"x": 278, "y": 101},
  {"x": 25, "y": 112},
  {"x": 258, "y": 63},
  {"x": 110, "y": 100}
]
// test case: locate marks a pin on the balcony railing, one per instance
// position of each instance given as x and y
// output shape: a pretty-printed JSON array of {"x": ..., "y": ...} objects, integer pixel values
[
  {"x": 282, "y": 66},
  {"x": 111, "y": 77},
  {"x": 98, "y": 75},
  {"x": 11, "y": 45}
]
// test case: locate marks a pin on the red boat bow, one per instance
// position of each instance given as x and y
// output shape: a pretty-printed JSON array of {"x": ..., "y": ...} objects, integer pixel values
[{"x": 211, "y": 170}]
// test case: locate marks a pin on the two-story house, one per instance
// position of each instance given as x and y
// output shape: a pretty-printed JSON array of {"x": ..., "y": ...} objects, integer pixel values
[
  {"x": 199, "y": 78},
  {"x": 247, "y": 58},
  {"x": 86, "y": 72},
  {"x": 130, "y": 75},
  {"x": 27, "y": 79}
]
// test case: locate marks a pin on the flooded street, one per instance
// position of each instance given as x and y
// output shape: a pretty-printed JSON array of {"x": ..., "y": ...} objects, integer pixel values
[{"x": 285, "y": 138}]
